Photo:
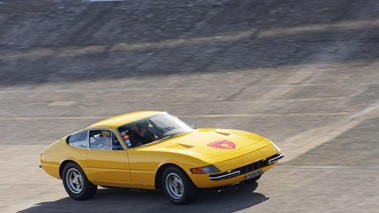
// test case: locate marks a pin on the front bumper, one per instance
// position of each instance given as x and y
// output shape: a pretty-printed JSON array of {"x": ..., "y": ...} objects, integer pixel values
[{"x": 247, "y": 168}]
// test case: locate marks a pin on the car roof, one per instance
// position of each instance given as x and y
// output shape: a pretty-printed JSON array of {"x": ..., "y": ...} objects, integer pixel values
[{"x": 117, "y": 121}]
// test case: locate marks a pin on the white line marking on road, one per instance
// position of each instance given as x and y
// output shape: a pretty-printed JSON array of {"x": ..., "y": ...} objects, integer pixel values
[
  {"x": 312, "y": 28},
  {"x": 299, "y": 144},
  {"x": 365, "y": 111},
  {"x": 62, "y": 103},
  {"x": 84, "y": 91},
  {"x": 123, "y": 47},
  {"x": 172, "y": 43},
  {"x": 54, "y": 118},
  {"x": 306, "y": 85},
  {"x": 174, "y": 88}
]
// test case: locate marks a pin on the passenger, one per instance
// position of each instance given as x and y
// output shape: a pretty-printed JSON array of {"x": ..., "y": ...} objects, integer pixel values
[
  {"x": 142, "y": 135},
  {"x": 108, "y": 140}
]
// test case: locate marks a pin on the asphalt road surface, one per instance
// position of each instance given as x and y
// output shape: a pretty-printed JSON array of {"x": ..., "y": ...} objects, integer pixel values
[{"x": 302, "y": 73}]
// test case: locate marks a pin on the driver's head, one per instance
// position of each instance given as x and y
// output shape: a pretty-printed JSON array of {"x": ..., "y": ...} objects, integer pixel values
[{"x": 142, "y": 125}]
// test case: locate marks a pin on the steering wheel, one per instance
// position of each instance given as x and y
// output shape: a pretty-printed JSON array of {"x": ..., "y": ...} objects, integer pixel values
[{"x": 100, "y": 146}]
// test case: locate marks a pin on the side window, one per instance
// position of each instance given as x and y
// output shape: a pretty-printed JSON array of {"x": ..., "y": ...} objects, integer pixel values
[
  {"x": 78, "y": 140},
  {"x": 95, "y": 139},
  {"x": 104, "y": 140}
]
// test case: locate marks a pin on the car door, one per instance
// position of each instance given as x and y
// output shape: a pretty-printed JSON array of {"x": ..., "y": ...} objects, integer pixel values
[{"x": 110, "y": 165}]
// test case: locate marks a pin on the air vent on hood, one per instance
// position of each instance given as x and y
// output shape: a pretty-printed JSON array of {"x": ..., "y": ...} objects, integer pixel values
[
  {"x": 223, "y": 133},
  {"x": 180, "y": 146}
]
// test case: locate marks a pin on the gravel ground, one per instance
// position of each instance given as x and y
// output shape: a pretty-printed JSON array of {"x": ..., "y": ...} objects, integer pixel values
[{"x": 59, "y": 41}]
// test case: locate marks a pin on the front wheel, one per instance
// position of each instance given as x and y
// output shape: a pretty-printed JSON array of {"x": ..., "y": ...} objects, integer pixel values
[
  {"x": 76, "y": 183},
  {"x": 178, "y": 187}
]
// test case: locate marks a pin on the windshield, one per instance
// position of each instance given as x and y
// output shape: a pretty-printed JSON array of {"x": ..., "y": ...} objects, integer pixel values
[{"x": 154, "y": 128}]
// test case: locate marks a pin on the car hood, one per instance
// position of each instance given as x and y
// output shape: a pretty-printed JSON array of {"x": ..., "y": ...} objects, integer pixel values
[{"x": 210, "y": 143}]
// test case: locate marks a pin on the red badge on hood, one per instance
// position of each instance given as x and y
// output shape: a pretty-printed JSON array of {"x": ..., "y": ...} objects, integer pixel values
[{"x": 222, "y": 144}]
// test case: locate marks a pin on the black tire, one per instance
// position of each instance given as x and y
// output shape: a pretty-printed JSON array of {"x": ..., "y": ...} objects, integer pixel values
[
  {"x": 178, "y": 187},
  {"x": 76, "y": 183}
]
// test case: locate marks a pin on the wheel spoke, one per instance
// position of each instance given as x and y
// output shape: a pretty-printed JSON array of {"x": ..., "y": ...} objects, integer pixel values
[
  {"x": 175, "y": 185},
  {"x": 74, "y": 181}
]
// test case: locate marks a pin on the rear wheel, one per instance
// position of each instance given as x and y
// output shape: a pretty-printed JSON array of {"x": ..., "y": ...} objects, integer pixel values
[
  {"x": 178, "y": 187},
  {"x": 76, "y": 183}
]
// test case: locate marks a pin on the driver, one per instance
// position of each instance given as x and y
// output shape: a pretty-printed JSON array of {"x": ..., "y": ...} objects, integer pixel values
[{"x": 143, "y": 135}]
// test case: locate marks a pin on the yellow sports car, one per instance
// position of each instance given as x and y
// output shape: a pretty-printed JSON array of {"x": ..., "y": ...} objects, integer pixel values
[{"x": 156, "y": 150}]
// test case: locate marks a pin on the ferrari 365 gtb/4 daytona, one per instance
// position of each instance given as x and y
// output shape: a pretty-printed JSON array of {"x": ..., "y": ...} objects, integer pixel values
[{"x": 156, "y": 151}]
